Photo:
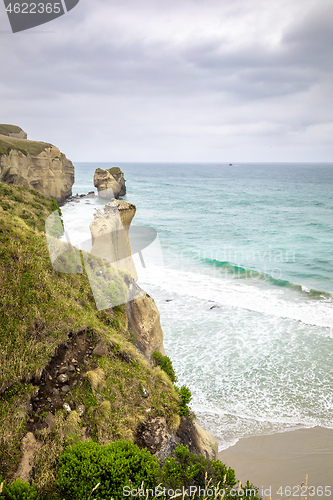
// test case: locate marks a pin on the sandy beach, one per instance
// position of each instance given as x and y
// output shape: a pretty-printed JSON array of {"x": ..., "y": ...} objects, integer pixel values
[{"x": 284, "y": 459}]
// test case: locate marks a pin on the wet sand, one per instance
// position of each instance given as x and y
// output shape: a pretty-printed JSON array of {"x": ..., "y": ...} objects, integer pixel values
[{"x": 284, "y": 459}]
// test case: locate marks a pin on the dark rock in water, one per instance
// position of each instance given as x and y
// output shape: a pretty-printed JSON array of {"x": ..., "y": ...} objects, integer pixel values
[{"x": 214, "y": 307}]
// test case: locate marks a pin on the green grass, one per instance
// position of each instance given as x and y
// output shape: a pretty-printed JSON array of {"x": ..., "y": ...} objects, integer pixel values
[
  {"x": 6, "y": 129},
  {"x": 24, "y": 145},
  {"x": 114, "y": 170},
  {"x": 39, "y": 309}
]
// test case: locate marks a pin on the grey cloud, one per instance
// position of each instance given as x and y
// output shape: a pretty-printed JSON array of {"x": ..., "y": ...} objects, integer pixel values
[{"x": 162, "y": 71}]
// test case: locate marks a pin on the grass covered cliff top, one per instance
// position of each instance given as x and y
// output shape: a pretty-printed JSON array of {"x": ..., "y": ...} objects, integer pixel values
[
  {"x": 49, "y": 320},
  {"x": 115, "y": 171},
  {"x": 6, "y": 129},
  {"x": 24, "y": 145}
]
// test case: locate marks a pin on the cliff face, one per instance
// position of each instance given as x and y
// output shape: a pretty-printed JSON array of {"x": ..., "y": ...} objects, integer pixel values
[
  {"x": 144, "y": 320},
  {"x": 69, "y": 371},
  {"x": 110, "y": 183},
  {"x": 109, "y": 231},
  {"x": 49, "y": 172},
  {"x": 34, "y": 165}
]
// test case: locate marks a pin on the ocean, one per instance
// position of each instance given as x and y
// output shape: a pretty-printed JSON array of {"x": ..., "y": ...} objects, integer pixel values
[{"x": 244, "y": 286}]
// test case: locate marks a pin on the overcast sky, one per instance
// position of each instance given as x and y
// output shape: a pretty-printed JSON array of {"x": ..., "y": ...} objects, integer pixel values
[{"x": 167, "y": 80}]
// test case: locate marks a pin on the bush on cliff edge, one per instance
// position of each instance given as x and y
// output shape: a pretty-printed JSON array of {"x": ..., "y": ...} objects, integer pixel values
[
  {"x": 88, "y": 470},
  {"x": 82, "y": 467}
]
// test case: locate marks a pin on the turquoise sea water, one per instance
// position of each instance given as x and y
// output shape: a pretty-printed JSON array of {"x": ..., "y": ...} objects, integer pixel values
[{"x": 246, "y": 289}]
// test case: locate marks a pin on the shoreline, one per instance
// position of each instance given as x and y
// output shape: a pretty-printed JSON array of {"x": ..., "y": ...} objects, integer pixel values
[{"x": 283, "y": 460}]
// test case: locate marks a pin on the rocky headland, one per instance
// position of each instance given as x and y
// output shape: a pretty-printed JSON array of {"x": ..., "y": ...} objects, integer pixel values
[{"x": 35, "y": 165}]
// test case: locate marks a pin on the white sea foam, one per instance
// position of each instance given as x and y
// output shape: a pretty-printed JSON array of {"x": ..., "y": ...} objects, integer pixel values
[
  {"x": 256, "y": 362},
  {"x": 233, "y": 293},
  {"x": 257, "y": 357}
]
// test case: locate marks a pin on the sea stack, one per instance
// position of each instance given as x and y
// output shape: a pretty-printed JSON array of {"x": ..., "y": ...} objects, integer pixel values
[{"x": 110, "y": 183}]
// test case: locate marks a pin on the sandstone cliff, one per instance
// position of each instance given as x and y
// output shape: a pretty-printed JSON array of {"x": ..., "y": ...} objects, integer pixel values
[
  {"x": 109, "y": 231},
  {"x": 35, "y": 165},
  {"x": 110, "y": 183},
  {"x": 144, "y": 320}
]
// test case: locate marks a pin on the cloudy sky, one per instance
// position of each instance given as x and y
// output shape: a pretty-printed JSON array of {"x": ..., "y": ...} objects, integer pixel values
[{"x": 175, "y": 80}]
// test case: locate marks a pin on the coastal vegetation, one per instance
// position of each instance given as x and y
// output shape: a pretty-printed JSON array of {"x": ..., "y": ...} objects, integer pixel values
[
  {"x": 72, "y": 381},
  {"x": 166, "y": 364},
  {"x": 43, "y": 311},
  {"x": 115, "y": 171},
  {"x": 121, "y": 469},
  {"x": 6, "y": 129},
  {"x": 7, "y": 144}
]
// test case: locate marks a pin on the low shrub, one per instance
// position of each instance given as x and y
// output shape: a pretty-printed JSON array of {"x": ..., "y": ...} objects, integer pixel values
[
  {"x": 186, "y": 397},
  {"x": 188, "y": 470},
  {"x": 166, "y": 364},
  {"x": 112, "y": 467},
  {"x": 18, "y": 490},
  {"x": 91, "y": 471}
]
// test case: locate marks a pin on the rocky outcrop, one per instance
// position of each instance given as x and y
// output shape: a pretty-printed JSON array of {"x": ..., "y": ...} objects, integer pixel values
[
  {"x": 144, "y": 320},
  {"x": 110, "y": 183},
  {"x": 109, "y": 233},
  {"x": 119, "y": 177},
  {"x": 49, "y": 171},
  {"x": 155, "y": 435},
  {"x": 30, "y": 447},
  {"x": 127, "y": 211},
  {"x": 12, "y": 131}
]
